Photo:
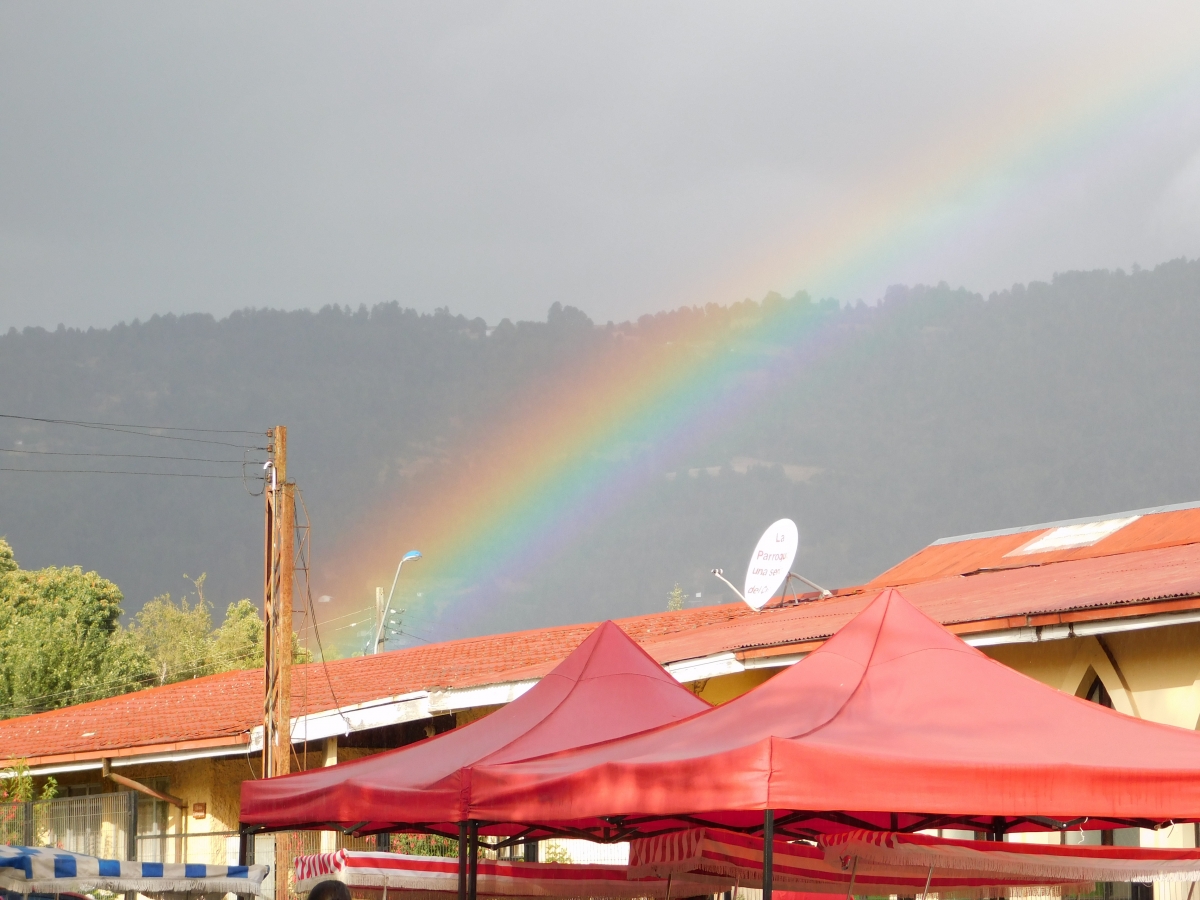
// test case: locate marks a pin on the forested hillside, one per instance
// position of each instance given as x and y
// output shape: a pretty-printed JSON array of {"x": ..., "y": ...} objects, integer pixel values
[{"x": 936, "y": 412}]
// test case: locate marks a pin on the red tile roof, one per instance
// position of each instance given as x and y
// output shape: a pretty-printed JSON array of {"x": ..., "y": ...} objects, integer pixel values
[
  {"x": 223, "y": 709},
  {"x": 1033, "y": 595},
  {"x": 958, "y": 556},
  {"x": 967, "y": 584}
]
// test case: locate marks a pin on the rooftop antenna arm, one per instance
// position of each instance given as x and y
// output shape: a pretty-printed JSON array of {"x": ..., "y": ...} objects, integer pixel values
[
  {"x": 811, "y": 584},
  {"x": 720, "y": 573}
]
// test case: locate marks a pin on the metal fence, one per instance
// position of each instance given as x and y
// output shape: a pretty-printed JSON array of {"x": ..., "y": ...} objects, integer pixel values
[
  {"x": 290, "y": 844},
  {"x": 125, "y": 825},
  {"x": 102, "y": 825}
]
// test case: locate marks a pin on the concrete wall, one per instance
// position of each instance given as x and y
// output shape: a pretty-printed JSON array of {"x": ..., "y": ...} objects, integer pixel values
[{"x": 1152, "y": 674}]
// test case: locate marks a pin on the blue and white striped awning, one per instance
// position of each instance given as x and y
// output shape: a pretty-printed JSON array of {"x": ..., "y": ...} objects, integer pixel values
[{"x": 45, "y": 870}]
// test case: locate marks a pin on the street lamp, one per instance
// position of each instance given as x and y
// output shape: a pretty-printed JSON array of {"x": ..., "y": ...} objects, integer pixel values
[{"x": 411, "y": 554}]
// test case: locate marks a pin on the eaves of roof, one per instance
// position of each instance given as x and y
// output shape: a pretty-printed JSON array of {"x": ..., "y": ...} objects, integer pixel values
[
  {"x": 1131, "y": 584},
  {"x": 223, "y": 710}
]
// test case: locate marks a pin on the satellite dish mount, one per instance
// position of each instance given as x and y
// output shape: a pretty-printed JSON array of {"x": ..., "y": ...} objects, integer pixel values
[{"x": 771, "y": 566}]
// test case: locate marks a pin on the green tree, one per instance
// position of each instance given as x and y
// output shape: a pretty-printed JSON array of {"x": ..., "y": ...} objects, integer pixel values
[
  {"x": 16, "y": 784},
  {"x": 60, "y": 639},
  {"x": 179, "y": 637},
  {"x": 675, "y": 598},
  {"x": 238, "y": 643},
  {"x": 175, "y": 636},
  {"x": 7, "y": 562}
]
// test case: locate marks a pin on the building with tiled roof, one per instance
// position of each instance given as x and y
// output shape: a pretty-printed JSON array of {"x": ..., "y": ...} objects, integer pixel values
[{"x": 1107, "y": 607}]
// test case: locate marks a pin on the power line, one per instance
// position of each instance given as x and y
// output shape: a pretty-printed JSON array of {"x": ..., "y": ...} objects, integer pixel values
[
  {"x": 415, "y": 638},
  {"x": 127, "y": 425},
  {"x": 131, "y": 456},
  {"x": 144, "y": 430},
  {"x": 419, "y": 638},
  {"x": 316, "y": 632},
  {"x": 118, "y": 472},
  {"x": 400, "y": 632},
  {"x": 346, "y": 615}
]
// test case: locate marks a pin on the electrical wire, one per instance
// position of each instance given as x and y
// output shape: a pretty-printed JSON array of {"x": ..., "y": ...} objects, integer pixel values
[
  {"x": 303, "y": 555},
  {"x": 313, "y": 610},
  {"x": 245, "y": 480},
  {"x": 411, "y": 616},
  {"x": 365, "y": 609},
  {"x": 127, "y": 425},
  {"x": 418, "y": 637},
  {"x": 130, "y": 456},
  {"x": 120, "y": 472},
  {"x": 351, "y": 625},
  {"x": 403, "y": 633},
  {"x": 144, "y": 430}
]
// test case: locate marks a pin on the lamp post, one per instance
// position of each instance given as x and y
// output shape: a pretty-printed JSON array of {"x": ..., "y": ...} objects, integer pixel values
[{"x": 411, "y": 554}]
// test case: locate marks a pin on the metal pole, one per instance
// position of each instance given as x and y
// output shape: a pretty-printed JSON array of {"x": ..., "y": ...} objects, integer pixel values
[
  {"x": 388, "y": 605},
  {"x": 768, "y": 853},
  {"x": 131, "y": 847},
  {"x": 243, "y": 845},
  {"x": 473, "y": 861},
  {"x": 462, "y": 861}
]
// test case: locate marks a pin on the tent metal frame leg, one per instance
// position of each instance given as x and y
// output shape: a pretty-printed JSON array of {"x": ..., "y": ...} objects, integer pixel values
[
  {"x": 462, "y": 861},
  {"x": 472, "y": 860},
  {"x": 768, "y": 884}
]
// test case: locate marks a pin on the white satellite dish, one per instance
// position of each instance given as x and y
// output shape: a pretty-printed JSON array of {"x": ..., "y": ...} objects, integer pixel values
[{"x": 771, "y": 563}]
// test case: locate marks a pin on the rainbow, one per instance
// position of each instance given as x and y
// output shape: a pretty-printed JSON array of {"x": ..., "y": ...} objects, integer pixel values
[{"x": 545, "y": 472}]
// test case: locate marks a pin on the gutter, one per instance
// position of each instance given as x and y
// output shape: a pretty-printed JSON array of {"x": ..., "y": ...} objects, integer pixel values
[
  {"x": 1032, "y": 634},
  {"x": 396, "y": 710},
  {"x": 236, "y": 746},
  {"x": 1028, "y": 628},
  {"x": 312, "y": 727},
  {"x": 783, "y": 655}
]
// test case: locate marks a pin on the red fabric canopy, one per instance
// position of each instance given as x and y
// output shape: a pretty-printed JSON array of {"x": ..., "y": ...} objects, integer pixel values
[
  {"x": 608, "y": 687},
  {"x": 1044, "y": 862},
  {"x": 711, "y": 853},
  {"x": 893, "y": 724},
  {"x": 436, "y": 878}
]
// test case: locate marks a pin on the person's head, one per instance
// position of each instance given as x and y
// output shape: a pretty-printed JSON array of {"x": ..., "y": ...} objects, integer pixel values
[{"x": 329, "y": 890}]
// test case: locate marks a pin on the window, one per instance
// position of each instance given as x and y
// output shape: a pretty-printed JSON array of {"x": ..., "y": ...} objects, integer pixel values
[
  {"x": 1097, "y": 693},
  {"x": 153, "y": 823}
]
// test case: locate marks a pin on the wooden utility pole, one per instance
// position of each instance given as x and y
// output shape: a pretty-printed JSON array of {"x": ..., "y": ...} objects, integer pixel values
[{"x": 278, "y": 580}]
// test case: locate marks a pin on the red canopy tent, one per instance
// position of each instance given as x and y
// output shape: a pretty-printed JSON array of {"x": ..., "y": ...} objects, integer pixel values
[
  {"x": 434, "y": 878},
  {"x": 894, "y": 724},
  {"x": 608, "y": 687}
]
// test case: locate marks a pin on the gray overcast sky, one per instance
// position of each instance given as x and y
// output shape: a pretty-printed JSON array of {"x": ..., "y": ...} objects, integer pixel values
[{"x": 624, "y": 157}]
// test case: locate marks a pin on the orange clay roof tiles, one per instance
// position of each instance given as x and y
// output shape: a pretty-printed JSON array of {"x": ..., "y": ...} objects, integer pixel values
[
  {"x": 952, "y": 556},
  {"x": 229, "y": 706},
  {"x": 957, "y": 582}
]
